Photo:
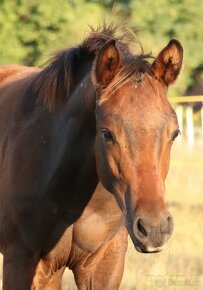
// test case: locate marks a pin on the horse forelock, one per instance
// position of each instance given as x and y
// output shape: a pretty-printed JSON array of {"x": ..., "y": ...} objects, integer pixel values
[{"x": 133, "y": 69}]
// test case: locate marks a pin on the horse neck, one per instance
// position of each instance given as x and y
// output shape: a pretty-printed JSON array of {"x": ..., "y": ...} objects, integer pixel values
[
  {"x": 82, "y": 106},
  {"x": 76, "y": 171}
]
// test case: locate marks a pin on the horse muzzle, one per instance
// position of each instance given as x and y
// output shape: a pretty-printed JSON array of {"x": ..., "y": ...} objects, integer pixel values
[{"x": 150, "y": 234}]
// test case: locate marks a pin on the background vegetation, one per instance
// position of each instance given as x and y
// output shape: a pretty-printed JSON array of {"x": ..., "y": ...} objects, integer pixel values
[{"x": 31, "y": 29}]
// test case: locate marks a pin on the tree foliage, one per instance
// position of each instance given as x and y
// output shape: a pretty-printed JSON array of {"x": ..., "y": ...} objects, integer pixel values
[
  {"x": 31, "y": 29},
  {"x": 159, "y": 21}
]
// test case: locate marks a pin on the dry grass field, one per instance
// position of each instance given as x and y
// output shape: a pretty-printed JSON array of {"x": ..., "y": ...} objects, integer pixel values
[{"x": 180, "y": 265}]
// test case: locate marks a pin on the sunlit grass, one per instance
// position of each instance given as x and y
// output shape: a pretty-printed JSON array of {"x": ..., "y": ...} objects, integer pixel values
[{"x": 180, "y": 265}]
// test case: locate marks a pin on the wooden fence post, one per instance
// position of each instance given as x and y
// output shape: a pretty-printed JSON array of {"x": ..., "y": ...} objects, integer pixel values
[
  {"x": 190, "y": 132},
  {"x": 179, "y": 112},
  {"x": 202, "y": 118},
  {"x": 190, "y": 125}
]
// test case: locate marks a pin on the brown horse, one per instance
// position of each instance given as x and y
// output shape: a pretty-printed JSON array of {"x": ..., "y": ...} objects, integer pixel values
[{"x": 96, "y": 112}]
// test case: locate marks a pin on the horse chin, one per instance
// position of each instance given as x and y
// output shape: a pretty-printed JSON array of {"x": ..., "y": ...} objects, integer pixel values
[
  {"x": 148, "y": 250},
  {"x": 141, "y": 248}
]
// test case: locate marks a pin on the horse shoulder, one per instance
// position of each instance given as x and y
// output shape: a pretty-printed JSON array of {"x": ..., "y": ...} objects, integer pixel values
[{"x": 100, "y": 222}]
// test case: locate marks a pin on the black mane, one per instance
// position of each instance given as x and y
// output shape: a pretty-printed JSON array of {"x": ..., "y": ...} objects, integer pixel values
[{"x": 56, "y": 81}]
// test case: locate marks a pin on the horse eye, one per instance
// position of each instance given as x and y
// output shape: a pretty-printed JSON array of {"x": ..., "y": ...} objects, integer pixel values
[
  {"x": 175, "y": 135},
  {"x": 107, "y": 135}
]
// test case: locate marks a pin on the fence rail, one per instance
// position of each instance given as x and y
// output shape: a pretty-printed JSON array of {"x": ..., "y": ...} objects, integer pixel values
[
  {"x": 187, "y": 99},
  {"x": 185, "y": 110}
]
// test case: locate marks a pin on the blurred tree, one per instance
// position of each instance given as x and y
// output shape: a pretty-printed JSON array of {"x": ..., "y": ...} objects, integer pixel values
[
  {"x": 160, "y": 20},
  {"x": 31, "y": 29}
]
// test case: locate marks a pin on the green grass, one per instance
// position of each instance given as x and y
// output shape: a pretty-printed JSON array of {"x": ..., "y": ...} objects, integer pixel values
[{"x": 180, "y": 265}]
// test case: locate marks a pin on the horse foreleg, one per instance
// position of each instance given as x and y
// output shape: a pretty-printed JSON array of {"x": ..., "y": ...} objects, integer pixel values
[
  {"x": 103, "y": 270},
  {"x": 18, "y": 268},
  {"x": 55, "y": 282}
]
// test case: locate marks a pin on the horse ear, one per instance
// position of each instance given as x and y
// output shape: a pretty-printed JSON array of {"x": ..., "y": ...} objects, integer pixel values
[
  {"x": 107, "y": 64},
  {"x": 168, "y": 63}
]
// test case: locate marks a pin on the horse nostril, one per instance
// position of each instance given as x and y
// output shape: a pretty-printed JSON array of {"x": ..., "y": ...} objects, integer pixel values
[
  {"x": 141, "y": 228},
  {"x": 167, "y": 225}
]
